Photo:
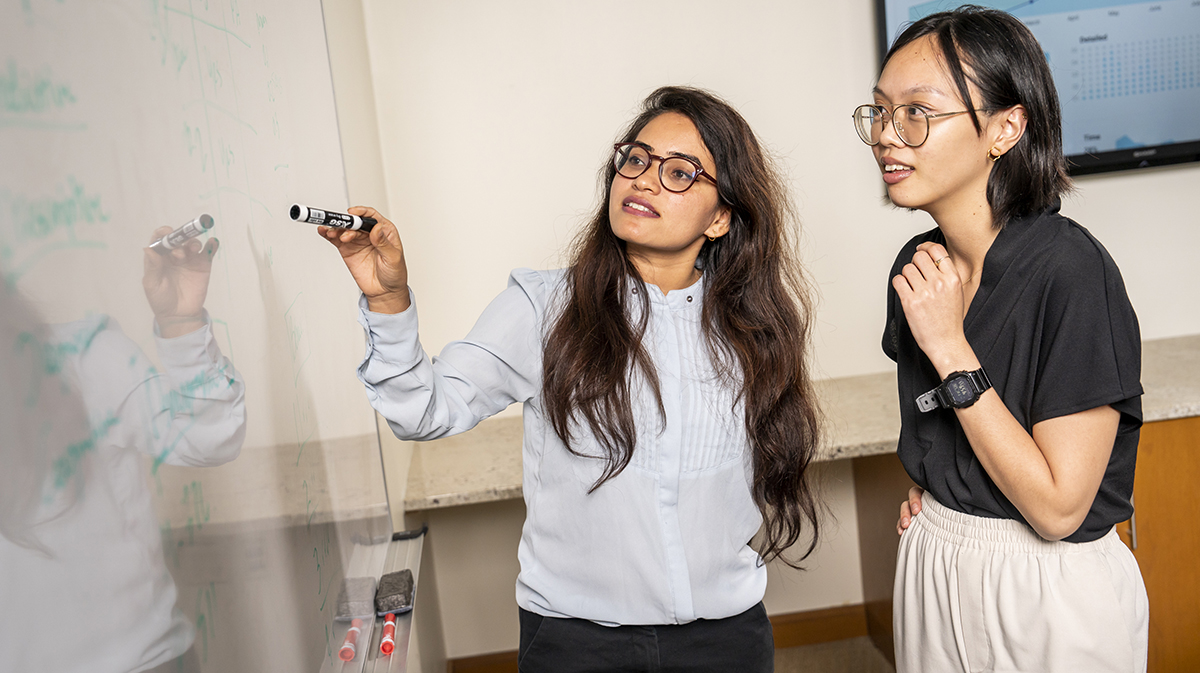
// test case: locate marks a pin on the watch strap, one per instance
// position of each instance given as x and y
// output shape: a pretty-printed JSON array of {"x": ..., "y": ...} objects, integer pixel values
[
  {"x": 929, "y": 401},
  {"x": 938, "y": 397}
]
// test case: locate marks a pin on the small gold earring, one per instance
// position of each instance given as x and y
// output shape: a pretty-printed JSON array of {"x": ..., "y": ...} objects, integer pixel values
[
  {"x": 712, "y": 238},
  {"x": 993, "y": 157}
]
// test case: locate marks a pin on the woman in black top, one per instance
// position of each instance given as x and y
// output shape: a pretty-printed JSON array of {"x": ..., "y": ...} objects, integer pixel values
[{"x": 1018, "y": 359}]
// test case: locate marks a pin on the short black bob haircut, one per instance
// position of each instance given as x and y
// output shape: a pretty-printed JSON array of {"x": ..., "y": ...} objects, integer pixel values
[{"x": 997, "y": 53}]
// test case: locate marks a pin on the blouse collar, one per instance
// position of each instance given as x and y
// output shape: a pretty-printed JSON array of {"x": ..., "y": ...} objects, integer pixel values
[{"x": 689, "y": 297}]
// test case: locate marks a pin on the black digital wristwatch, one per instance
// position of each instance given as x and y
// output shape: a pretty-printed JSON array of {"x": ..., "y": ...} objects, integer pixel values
[{"x": 959, "y": 390}]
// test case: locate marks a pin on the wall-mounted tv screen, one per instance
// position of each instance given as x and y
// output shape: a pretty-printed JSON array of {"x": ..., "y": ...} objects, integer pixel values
[{"x": 1128, "y": 74}]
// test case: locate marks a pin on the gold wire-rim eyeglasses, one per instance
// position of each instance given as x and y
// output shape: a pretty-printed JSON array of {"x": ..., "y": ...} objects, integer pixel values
[{"x": 889, "y": 115}]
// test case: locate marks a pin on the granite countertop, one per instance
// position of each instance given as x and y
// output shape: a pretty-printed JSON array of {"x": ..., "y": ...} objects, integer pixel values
[{"x": 862, "y": 419}]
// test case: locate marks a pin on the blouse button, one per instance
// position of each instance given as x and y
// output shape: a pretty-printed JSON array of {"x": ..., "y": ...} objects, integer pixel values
[
  {"x": 635, "y": 290},
  {"x": 689, "y": 298}
]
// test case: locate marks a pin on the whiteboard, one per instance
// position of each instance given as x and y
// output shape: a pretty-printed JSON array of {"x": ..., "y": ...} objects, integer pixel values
[{"x": 118, "y": 117}]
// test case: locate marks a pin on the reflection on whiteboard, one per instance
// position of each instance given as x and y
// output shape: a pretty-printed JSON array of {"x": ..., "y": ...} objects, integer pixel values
[{"x": 178, "y": 493}]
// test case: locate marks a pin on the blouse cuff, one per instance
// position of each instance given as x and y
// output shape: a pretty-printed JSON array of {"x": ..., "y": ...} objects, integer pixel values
[
  {"x": 192, "y": 357},
  {"x": 394, "y": 337}
]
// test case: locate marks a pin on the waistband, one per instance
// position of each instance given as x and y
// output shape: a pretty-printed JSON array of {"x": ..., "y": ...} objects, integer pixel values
[{"x": 977, "y": 532}]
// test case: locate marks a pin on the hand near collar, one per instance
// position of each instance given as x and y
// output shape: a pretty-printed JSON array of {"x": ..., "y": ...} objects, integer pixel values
[
  {"x": 1051, "y": 472},
  {"x": 931, "y": 293}
]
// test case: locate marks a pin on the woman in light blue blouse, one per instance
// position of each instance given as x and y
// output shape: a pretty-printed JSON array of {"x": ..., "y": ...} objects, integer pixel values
[{"x": 668, "y": 410}]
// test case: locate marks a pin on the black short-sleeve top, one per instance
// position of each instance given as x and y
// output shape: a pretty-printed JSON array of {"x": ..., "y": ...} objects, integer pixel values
[{"x": 1053, "y": 327}]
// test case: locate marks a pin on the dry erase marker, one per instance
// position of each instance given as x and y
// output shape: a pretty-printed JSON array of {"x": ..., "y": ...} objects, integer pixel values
[
  {"x": 346, "y": 653},
  {"x": 388, "y": 643},
  {"x": 329, "y": 218},
  {"x": 183, "y": 234}
]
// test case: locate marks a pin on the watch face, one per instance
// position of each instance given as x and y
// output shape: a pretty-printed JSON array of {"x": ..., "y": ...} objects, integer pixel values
[{"x": 960, "y": 390}]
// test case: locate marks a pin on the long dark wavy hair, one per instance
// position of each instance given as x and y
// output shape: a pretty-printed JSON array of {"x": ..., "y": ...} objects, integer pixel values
[{"x": 755, "y": 319}]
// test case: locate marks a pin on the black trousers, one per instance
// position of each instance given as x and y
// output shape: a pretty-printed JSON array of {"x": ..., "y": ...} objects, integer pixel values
[{"x": 739, "y": 644}]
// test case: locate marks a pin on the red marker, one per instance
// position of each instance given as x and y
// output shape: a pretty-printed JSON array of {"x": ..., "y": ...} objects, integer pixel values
[
  {"x": 347, "y": 651},
  {"x": 389, "y": 634}
]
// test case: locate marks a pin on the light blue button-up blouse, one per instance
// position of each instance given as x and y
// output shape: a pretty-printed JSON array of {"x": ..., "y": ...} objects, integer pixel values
[{"x": 665, "y": 541}]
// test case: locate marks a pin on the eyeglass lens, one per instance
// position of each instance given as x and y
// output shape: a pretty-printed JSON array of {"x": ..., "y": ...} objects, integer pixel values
[
  {"x": 676, "y": 173},
  {"x": 910, "y": 123}
]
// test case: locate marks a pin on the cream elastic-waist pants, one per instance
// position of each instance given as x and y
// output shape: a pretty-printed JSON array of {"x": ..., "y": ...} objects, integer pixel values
[{"x": 974, "y": 594}]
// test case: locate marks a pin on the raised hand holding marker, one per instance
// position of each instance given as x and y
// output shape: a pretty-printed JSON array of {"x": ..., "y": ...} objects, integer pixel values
[
  {"x": 376, "y": 261},
  {"x": 183, "y": 234},
  {"x": 328, "y": 218}
]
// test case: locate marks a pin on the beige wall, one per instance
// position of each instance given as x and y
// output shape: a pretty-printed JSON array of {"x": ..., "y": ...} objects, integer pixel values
[
  {"x": 479, "y": 128},
  {"x": 494, "y": 117},
  {"x": 1150, "y": 223}
]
